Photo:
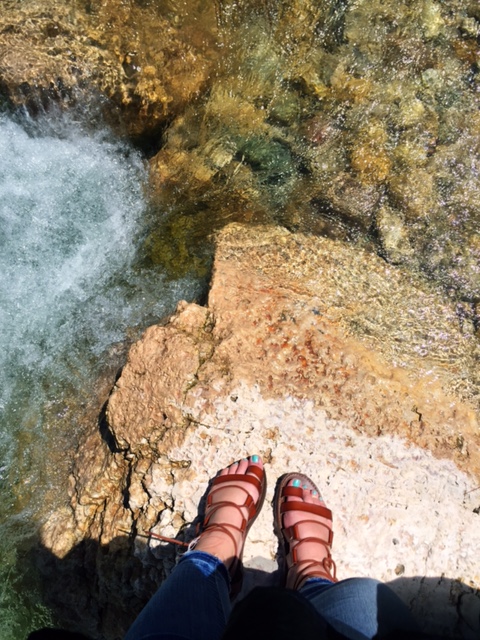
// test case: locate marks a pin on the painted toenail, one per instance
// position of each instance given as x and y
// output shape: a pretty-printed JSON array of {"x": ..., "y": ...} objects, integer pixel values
[
  {"x": 305, "y": 486},
  {"x": 296, "y": 483},
  {"x": 255, "y": 458},
  {"x": 315, "y": 493}
]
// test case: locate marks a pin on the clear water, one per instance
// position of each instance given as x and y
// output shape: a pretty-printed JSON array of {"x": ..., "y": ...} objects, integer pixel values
[{"x": 71, "y": 212}]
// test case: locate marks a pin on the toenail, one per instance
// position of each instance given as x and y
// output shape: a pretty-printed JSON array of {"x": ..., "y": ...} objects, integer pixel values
[
  {"x": 296, "y": 483},
  {"x": 315, "y": 493},
  {"x": 255, "y": 458},
  {"x": 305, "y": 486}
]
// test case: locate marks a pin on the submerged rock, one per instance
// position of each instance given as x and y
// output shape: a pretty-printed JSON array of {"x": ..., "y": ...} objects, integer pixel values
[
  {"x": 320, "y": 358},
  {"x": 382, "y": 92},
  {"x": 260, "y": 109},
  {"x": 393, "y": 236}
]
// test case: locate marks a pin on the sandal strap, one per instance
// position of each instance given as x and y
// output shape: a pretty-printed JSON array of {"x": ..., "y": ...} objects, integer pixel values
[
  {"x": 308, "y": 507},
  {"x": 290, "y": 499},
  {"x": 295, "y": 540},
  {"x": 255, "y": 478},
  {"x": 219, "y": 505},
  {"x": 224, "y": 528},
  {"x": 323, "y": 570},
  {"x": 292, "y": 534},
  {"x": 248, "y": 503}
]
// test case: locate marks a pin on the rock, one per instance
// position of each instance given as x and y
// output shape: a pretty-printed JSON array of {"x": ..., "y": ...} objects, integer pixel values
[
  {"x": 369, "y": 157},
  {"x": 393, "y": 236},
  {"x": 319, "y": 358},
  {"x": 378, "y": 92},
  {"x": 306, "y": 94},
  {"x": 415, "y": 195},
  {"x": 433, "y": 22},
  {"x": 135, "y": 64},
  {"x": 349, "y": 200}
]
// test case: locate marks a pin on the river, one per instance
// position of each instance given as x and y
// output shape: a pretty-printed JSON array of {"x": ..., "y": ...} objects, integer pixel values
[{"x": 71, "y": 209}]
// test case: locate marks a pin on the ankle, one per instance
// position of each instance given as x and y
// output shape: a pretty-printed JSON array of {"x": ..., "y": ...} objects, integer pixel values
[
  {"x": 218, "y": 542},
  {"x": 305, "y": 570}
]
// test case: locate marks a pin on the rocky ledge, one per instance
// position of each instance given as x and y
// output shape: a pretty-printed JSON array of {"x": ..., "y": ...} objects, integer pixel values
[{"x": 322, "y": 359}]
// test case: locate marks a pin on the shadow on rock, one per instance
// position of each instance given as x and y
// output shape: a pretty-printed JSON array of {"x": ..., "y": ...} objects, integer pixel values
[{"x": 98, "y": 590}]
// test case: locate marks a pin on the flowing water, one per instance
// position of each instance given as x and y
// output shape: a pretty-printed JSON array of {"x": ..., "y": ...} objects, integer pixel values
[{"x": 71, "y": 215}]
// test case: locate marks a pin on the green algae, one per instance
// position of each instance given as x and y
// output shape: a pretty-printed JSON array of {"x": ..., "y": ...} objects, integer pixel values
[{"x": 179, "y": 247}]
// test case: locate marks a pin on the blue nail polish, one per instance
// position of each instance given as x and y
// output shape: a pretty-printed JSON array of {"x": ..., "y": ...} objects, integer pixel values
[
  {"x": 296, "y": 483},
  {"x": 305, "y": 486},
  {"x": 255, "y": 459},
  {"x": 315, "y": 493}
]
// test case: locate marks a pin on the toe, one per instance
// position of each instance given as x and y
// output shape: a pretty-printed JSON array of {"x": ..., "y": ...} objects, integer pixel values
[
  {"x": 316, "y": 497},
  {"x": 308, "y": 495},
  {"x": 242, "y": 466},
  {"x": 229, "y": 470},
  {"x": 306, "y": 490},
  {"x": 236, "y": 467},
  {"x": 294, "y": 482},
  {"x": 255, "y": 461}
]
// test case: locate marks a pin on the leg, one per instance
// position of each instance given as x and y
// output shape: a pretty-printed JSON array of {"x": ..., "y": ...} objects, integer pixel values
[
  {"x": 193, "y": 603},
  {"x": 359, "y": 608}
]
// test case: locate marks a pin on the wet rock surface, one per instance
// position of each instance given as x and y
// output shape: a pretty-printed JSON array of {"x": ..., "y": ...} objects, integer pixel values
[
  {"x": 318, "y": 116},
  {"x": 135, "y": 64},
  {"x": 320, "y": 358}
]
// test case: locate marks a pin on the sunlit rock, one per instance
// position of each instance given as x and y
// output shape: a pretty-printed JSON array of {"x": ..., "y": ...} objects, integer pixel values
[
  {"x": 137, "y": 64},
  {"x": 321, "y": 358},
  {"x": 393, "y": 236}
]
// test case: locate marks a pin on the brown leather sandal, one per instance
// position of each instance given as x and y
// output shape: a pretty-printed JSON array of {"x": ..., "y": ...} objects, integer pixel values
[
  {"x": 259, "y": 480},
  {"x": 290, "y": 538}
]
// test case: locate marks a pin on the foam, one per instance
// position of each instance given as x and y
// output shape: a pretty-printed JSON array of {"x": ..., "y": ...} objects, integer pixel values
[{"x": 71, "y": 207}]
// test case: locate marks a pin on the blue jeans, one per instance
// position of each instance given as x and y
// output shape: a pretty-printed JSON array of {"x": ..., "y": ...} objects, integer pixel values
[{"x": 194, "y": 604}]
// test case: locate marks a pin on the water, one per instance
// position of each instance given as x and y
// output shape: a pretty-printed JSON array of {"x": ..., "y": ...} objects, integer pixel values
[{"x": 71, "y": 213}]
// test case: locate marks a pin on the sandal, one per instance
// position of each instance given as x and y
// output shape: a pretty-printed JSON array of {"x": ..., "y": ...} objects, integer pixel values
[
  {"x": 290, "y": 538},
  {"x": 259, "y": 480}
]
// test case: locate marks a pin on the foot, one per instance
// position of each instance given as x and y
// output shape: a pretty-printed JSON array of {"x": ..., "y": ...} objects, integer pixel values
[
  {"x": 306, "y": 531},
  {"x": 232, "y": 506}
]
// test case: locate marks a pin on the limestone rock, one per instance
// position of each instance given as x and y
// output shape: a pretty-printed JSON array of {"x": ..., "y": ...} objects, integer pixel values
[
  {"x": 393, "y": 236},
  {"x": 322, "y": 359}
]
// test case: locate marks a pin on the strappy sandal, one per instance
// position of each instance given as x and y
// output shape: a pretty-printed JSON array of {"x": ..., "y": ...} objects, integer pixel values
[
  {"x": 290, "y": 538},
  {"x": 259, "y": 480}
]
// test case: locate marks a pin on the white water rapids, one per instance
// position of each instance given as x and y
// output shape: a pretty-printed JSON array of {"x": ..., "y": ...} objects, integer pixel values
[{"x": 71, "y": 214}]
